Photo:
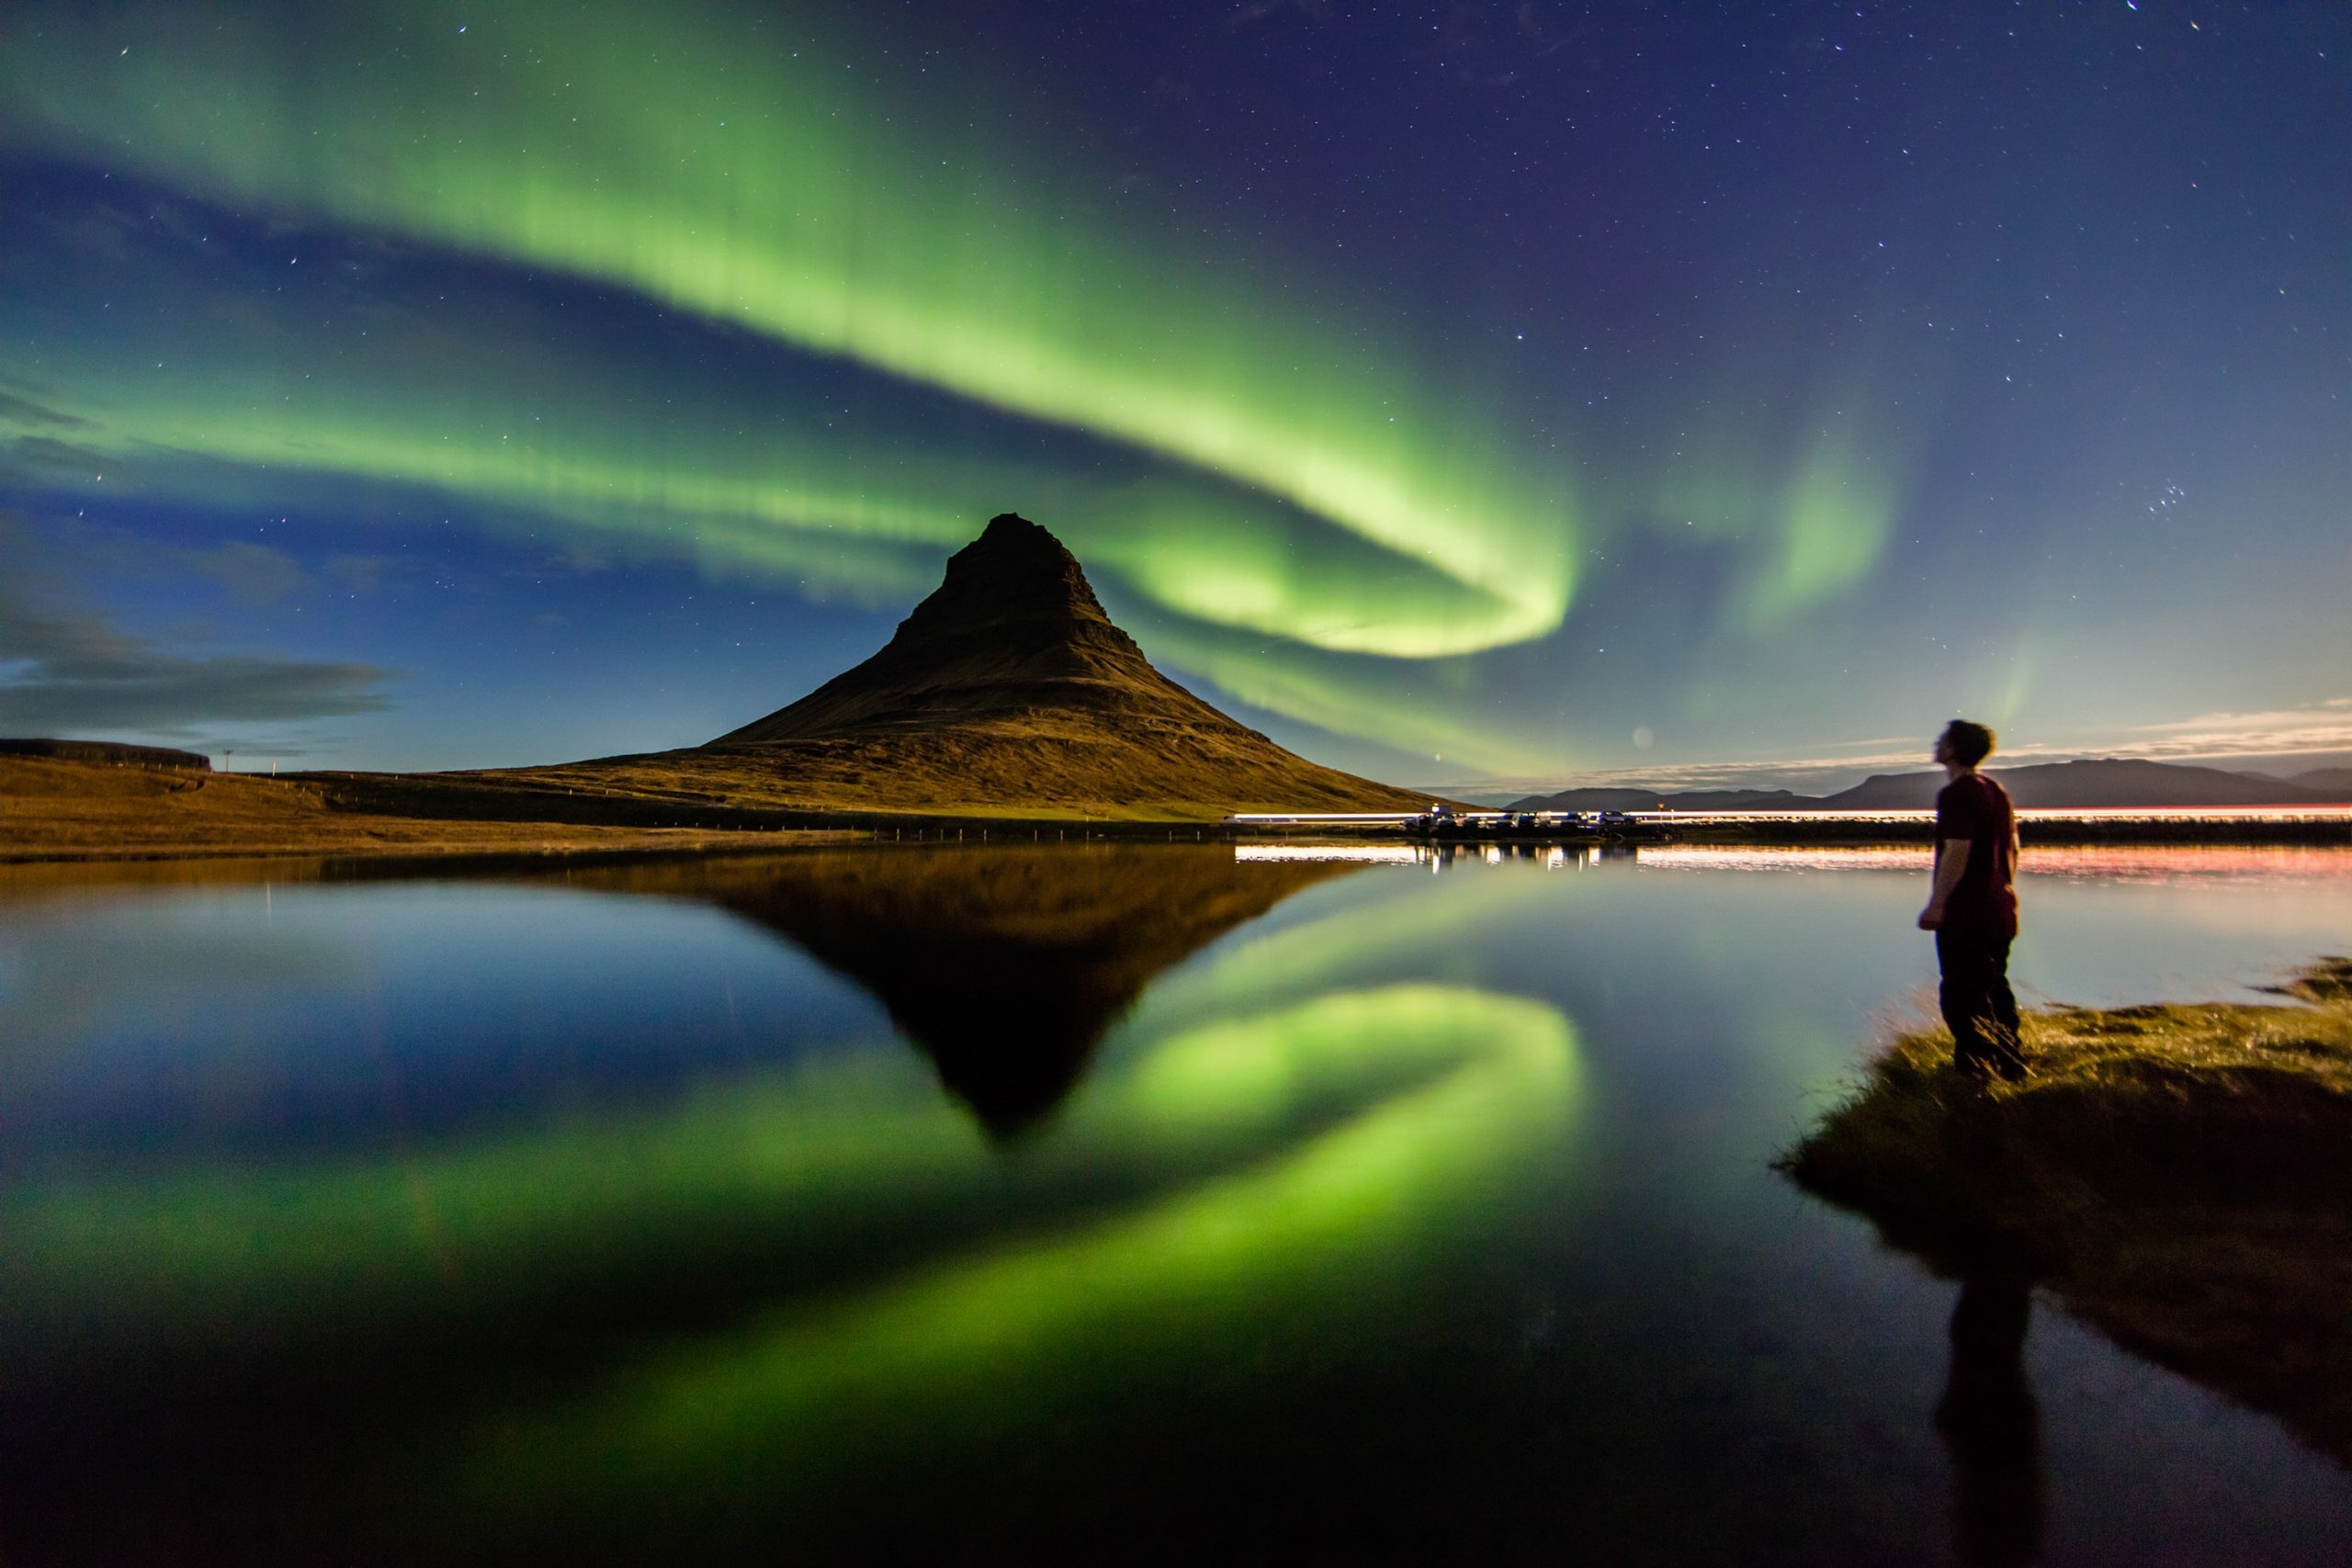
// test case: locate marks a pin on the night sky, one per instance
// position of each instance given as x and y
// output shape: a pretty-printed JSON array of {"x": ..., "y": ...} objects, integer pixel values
[{"x": 1462, "y": 393}]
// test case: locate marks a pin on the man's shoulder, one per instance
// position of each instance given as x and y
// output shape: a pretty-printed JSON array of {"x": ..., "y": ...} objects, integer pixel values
[
  {"x": 1972, "y": 800},
  {"x": 1972, "y": 788}
]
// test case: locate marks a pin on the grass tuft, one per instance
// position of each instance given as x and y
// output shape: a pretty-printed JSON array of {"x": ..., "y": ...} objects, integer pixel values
[{"x": 2180, "y": 1176}]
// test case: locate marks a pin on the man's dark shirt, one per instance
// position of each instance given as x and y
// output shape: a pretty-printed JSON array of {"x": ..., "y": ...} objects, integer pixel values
[{"x": 1975, "y": 810}]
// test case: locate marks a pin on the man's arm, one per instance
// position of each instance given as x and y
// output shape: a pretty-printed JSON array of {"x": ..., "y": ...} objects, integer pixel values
[{"x": 1951, "y": 865}]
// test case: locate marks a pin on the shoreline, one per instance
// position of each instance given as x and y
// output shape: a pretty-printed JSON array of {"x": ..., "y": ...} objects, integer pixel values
[
  {"x": 365, "y": 843},
  {"x": 61, "y": 810},
  {"x": 73, "y": 812},
  {"x": 2178, "y": 1176},
  {"x": 2049, "y": 832},
  {"x": 396, "y": 838}
]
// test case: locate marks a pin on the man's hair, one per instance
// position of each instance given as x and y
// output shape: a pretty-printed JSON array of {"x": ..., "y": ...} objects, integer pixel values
[{"x": 1970, "y": 743}]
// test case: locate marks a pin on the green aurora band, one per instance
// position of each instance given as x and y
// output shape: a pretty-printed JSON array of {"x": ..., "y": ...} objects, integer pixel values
[
  {"x": 300, "y": 1244},
  {"x": 1313, "y": 1234},
  {"x": 1294, "y": 1134},
  {"x": 298, "y": 396},
  {"x": 1442, "y": 1092},
  {"x": 838, "y": 524},
  {"x": 751, "y": 188},
  {"x": 251, "y": 1244},
  {"x": 867, "y": 529},
  {"x": 445, "y": 404},
  {"x": 1291, "y": 507}
]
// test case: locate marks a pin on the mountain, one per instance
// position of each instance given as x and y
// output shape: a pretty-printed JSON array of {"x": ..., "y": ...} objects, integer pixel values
[
  {"x": 1008, "y": 691},
  {"x": 2333, "y": 783},
  {"x": 2105, "y": 782},
  {"x": 1005, "y": 969},
  {"x": 2111, "y": 782},
  {"x": 1014, "y": 630},
  {"x": 1649, "y": 800},
  {"x": 1738, "y": 800},
  {"x": 1593, "y": 799}
]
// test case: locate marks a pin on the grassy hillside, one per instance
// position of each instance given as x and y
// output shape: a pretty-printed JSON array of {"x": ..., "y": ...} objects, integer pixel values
[{"x": 1069, "y": 765}]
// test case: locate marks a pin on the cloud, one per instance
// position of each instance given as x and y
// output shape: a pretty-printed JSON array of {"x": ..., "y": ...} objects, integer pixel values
[
  {"x": 66, "y": 669},
  {"x": 253, "y": 574},
  {"x": 24, "y": 411},
  {"x": 45, "y": 459},
  {"x": 77, "y": 673},
  {"x": 2324, "y": 726},
  {"x": 362, "y": 575}
]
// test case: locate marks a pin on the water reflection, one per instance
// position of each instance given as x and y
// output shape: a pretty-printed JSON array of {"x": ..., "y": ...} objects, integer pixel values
[
  {"x": 1005, "y": 965},
  {"x": 1417, "y": 1218},
  {"x": 1300, "y": 1250},
  {"x": 2156, "y": 865},
  {"x": 580, "y": 1318},
  {"x": 1990, "y": 1423}
]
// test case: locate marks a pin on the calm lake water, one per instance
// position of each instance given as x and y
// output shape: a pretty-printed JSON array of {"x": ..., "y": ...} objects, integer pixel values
[{"x": 1163, "y": 1202}]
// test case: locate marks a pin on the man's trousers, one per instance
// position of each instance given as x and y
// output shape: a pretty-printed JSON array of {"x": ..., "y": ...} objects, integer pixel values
[{"x": 1978, "y": 1006}]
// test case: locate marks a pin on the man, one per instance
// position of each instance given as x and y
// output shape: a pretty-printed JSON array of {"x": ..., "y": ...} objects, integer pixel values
[{"x": 1973, "y": 907}]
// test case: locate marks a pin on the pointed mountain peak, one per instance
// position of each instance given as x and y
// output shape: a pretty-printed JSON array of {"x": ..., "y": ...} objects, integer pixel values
[
  {"x": 1014, "y": 570},
  {"x": 1008, "y": 532},
  {"x": 1009, "y": 687},
  {"x": 1013, "y": 628}
]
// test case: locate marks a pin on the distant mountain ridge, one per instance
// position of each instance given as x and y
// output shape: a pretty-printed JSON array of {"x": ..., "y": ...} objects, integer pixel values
[
  {"x": 2083, "y": 784},
  {"x": 1620, "y": 799},
  {"x": 2334, "y": 782}
]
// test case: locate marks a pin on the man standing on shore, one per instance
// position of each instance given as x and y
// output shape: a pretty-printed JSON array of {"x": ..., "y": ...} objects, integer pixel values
[{"x": 1973, "y": 907}]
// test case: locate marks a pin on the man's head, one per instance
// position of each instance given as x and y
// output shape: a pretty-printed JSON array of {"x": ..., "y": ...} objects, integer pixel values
[{"x": 1963, "y": 744}]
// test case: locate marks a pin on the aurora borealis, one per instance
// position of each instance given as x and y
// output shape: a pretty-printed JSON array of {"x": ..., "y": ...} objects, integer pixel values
[{"x": 1457, "y": 393}]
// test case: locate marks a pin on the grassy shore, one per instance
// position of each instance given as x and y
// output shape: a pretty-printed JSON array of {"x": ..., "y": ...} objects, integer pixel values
[
  {"x": 68, "y": 807},
  {"x": 2180, "y": 1176},
  {"x": 63, "y": 811},
  {"x": 71, "y": 811}
]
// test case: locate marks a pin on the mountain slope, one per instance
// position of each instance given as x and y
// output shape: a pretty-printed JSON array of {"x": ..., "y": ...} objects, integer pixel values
[
  {"x": 1013, "y": 630},
  {"x": 1006, "y": 969},
  {"x": 1008, "y": 691}
]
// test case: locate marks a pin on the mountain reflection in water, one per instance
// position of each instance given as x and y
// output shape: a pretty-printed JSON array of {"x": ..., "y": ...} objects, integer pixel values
[
  {"x": 1420, "y": 1218},
  {"x": 759, "y": 1295},
  {"x": 1005, "y": 965}
]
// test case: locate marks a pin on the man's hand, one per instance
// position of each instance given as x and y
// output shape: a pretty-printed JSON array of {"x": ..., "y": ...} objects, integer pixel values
[{"x": 1951, "y": 860}]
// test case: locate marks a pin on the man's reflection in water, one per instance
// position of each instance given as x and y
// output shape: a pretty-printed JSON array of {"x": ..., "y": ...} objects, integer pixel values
[{"x": 1987, "y": 1419}]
